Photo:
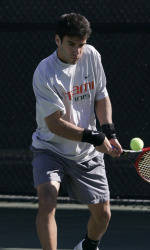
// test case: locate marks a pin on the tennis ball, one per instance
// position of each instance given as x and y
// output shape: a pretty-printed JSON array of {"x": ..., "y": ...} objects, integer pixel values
[{"x": 136, "y": 144}]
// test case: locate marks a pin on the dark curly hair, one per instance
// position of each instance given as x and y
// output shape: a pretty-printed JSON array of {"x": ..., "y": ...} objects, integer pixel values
[{"x": 73, "y": 24}]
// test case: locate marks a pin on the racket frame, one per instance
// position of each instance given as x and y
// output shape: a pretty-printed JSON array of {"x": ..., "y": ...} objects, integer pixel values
[{"x": 136, "y": 164}]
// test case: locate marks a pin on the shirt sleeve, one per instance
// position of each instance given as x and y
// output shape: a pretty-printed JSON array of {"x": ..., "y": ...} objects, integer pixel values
[
  {"x": 101, "y": 90},
  {"x": 47, "y": 100}
]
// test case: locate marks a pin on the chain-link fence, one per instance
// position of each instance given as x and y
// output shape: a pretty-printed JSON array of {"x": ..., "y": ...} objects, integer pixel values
[
  {"x": 100, "y": 11},
  {"x": 121, "y": 33}
]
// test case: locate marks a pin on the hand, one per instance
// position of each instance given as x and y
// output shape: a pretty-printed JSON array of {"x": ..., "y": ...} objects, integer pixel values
[
  {"x": 116, "y": 147},
  {"x": 107, "y": 148}
]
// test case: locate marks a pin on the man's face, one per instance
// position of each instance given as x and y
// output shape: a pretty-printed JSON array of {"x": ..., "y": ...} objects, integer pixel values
[{"x": 70, "y": 49}]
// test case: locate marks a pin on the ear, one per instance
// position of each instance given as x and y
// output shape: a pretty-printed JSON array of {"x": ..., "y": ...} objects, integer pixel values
[{"x": 57, "y": 40}]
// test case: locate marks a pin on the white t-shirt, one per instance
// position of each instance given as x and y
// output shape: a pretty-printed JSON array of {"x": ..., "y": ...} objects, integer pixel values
[{"x": 72, "y": 89}]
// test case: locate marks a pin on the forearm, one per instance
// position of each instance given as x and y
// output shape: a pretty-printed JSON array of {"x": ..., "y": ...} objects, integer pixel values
[
  {"x": 103, "y": 110},
  {"x": 104, "y": 115},
  {"x": 60, "y": 127}
]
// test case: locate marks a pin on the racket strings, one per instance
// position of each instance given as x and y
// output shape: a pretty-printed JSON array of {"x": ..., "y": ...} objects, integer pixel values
[{"x": 144, "y": 166}]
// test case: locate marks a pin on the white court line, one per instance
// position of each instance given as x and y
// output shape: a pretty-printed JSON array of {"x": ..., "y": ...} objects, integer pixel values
[
  {"x": 20, "y": 248},
  {"x": 26, "y": 249},
  {"x": 30, "y": 205}
]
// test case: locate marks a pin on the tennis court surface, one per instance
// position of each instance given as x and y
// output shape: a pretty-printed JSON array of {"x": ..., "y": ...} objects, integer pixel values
[{"x": 129, "y": 228}]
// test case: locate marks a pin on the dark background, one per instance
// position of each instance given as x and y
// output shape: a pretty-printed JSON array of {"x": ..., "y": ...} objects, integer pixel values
[{"x": 121, "y": 33}]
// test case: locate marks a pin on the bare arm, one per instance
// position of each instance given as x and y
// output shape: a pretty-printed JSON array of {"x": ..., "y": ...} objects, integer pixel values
[
  {"x": 103, "y": 110},
  {"x": 66, "y": 129},
  {"x": 60, "y": 127}
]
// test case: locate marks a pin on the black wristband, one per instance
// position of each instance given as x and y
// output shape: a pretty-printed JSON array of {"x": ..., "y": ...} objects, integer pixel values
[
  {"x": 109, "y": 130},
  {"x": 93, "y": 137}
]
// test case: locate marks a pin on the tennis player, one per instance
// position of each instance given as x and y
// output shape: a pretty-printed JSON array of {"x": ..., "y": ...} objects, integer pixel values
[{"x": 69, "y": 86}]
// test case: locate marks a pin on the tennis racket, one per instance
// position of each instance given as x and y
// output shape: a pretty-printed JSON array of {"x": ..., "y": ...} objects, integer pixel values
[{"x": 141, "y": 161}]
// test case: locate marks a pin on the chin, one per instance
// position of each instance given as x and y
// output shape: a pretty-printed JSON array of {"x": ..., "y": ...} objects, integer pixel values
[{"x": 74, "y": 61}]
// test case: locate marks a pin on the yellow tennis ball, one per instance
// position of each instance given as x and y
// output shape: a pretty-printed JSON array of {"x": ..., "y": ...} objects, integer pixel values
[{"x": 136, "y": 144}]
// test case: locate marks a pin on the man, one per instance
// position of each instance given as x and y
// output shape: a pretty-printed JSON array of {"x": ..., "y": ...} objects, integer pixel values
[{"x": 69, "y": 86}]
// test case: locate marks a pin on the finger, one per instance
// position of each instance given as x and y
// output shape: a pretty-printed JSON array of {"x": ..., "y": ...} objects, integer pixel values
[
  {"x": 115, "y": 153},
  {"x": 117, "y": 148}
]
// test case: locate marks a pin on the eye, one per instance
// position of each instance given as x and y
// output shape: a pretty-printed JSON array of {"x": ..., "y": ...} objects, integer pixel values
[{"x": 71, "y": 44}]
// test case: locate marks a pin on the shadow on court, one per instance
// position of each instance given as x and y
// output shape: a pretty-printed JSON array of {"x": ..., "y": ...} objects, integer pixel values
[{"x": 128, "y": 230}]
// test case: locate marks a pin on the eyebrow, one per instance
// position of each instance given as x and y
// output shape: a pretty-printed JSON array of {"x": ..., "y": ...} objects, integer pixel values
[{"x": 70, "y": 41}]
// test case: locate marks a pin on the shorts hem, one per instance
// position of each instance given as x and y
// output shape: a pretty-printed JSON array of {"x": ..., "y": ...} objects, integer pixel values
[
  {"x": 95, "y": 201},
  {"x": 43, "y": 182}
]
